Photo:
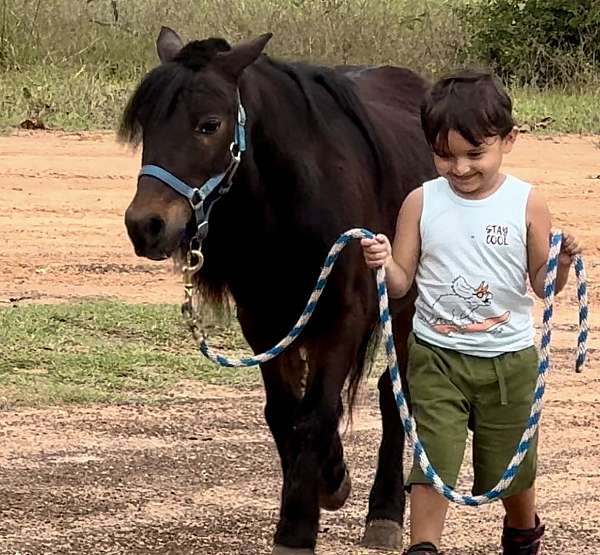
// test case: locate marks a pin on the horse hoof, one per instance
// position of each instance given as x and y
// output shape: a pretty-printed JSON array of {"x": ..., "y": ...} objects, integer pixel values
[
  {"x": 383, "y": 534},
  {"x": 334, "y": 501},
  {"x": 283, "y": 550}
]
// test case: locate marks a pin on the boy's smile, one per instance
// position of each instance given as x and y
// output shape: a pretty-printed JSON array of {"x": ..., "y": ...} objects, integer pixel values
[{"x": 473, "y": 171}]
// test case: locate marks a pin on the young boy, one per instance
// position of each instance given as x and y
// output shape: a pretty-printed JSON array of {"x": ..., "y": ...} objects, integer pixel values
[{"x": 470, "y": 239}]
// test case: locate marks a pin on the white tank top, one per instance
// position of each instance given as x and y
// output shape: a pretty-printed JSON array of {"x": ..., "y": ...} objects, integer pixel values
[{"x": 472, "y": 273}]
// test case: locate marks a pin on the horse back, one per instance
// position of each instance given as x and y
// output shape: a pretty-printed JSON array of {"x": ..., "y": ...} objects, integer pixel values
[
  {"x": 395, "y": 88},
  {"x": 392, "y": 98}
]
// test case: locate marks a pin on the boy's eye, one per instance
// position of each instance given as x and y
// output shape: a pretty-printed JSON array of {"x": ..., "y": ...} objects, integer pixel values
[{"x": 475, "y": 155}]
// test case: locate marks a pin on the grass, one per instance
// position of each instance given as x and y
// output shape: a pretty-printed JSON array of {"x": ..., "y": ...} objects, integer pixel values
[
  {"x": 104, "y": 352},
  {"x": 121, "y": 33},
  {"x": 572, "y": 111},
  {"x": 89, "y": 99},
  {"x": 71, "y": 65},
  {"x": 64, "y": 98}
]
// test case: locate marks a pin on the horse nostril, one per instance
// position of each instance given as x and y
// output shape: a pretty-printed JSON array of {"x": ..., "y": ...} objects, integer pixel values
[{"x": 155, "y": 226}]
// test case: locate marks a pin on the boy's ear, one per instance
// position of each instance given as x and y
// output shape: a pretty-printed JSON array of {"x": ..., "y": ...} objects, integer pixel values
[{"x": 509, "y": 141}]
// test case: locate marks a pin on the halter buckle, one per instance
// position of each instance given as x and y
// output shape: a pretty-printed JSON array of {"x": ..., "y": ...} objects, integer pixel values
[
  {"x": 201, "y": 233},
  {"x": 236, "y": 152},
  {"x": 196, "y": 199}
]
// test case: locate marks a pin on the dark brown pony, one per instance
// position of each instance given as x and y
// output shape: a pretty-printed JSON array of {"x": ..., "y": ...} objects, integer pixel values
[{"x": 327, "y": 150}]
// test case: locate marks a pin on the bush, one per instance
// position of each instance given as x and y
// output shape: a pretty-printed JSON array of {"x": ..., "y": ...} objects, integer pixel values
[{"x": 537, "y": 42}]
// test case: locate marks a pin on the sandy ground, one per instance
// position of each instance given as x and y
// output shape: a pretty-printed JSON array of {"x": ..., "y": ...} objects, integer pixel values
[{"x": 199, "y": 475}]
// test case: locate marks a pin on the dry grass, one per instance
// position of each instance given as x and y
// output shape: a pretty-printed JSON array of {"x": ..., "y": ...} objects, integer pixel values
[{"x": 72, "y": 63}]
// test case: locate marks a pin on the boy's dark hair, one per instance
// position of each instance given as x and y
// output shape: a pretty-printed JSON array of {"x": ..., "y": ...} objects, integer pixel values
[{"x": 473, "y": 103}]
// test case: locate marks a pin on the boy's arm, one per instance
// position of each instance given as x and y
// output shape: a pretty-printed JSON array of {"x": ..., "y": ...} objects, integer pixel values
[
  {"x": 406, "y": 247},
  {"x": 539, "y": 227}
]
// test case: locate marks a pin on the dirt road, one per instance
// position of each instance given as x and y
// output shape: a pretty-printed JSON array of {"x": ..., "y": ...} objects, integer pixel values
[{"x": 199, "y": 475}]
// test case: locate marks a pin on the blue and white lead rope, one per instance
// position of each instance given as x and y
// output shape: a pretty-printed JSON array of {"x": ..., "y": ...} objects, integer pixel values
[{"x": 385, "y": 320}]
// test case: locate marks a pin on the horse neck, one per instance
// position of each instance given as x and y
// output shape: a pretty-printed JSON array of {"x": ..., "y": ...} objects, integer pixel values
[
  {"x": 281, "y": 134},
  {"x": 288, "y": 106},
  {"x": 267, "y": 164},
  {"x": 271, "y": 193}
]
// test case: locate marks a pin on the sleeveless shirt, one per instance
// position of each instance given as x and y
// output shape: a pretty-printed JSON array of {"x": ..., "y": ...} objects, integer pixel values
[{"x": 472, "y": 273}]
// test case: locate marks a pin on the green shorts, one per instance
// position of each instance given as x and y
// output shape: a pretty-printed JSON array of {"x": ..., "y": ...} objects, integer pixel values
[{"x": 451, "y": 392}]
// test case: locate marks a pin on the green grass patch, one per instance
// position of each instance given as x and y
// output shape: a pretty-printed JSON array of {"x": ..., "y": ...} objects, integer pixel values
[
  {"x": 74, "y": 99},
  {"x": 71, "y": 65},
  {"x": 105, "y": 352},
  {"x": 571, "y": 111}
]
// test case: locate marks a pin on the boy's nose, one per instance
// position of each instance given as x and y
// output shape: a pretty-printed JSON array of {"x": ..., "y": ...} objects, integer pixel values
[{"x": 461, "y": 168}]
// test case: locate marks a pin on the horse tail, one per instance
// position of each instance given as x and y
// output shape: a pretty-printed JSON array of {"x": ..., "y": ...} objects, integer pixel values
[{"x": 363, "y": 366}]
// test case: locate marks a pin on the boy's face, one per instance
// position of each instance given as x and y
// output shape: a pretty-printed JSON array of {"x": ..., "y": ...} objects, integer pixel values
[{"x": 473, "y": 171}]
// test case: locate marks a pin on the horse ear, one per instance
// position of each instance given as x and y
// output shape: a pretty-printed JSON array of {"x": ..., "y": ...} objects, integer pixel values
[
  {"x": 168, "y": 44},
  {"x": 241, "y": 56}
]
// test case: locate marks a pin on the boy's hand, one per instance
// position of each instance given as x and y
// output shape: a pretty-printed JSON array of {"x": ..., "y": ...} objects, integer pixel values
[
  {"x": 377, "y": 251},
  {"x": 568, "y": 250}
]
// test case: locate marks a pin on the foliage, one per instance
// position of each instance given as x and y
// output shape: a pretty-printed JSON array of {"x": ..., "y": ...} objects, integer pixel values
[
  {"x": 537, "y": 42},
  {"x": 71, "y": 64}
]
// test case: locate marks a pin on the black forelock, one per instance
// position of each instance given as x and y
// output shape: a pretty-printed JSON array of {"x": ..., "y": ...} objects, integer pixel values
[
  {"x": 197, "y": 54},
  {"x": 157, "y": 94}
]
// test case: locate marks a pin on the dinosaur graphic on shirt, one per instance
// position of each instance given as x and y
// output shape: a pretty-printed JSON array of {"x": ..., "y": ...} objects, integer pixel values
[{"x": 461, "y": 310}]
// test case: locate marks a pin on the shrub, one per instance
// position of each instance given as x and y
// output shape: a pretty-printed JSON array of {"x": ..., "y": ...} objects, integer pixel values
[{"x": 537, "y": 42}]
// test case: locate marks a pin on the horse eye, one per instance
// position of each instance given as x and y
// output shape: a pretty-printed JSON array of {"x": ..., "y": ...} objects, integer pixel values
[{"x": 208, "y": 127}]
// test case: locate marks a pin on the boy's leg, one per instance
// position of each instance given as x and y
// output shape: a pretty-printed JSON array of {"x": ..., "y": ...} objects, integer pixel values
[
  {"x": 523, "y": 531},
  {"x": 441, "y": 411},
  {"x": 501, "y": 414},
  {"x": 520, "y": 509},
  {"x": 427, "y": 515}
]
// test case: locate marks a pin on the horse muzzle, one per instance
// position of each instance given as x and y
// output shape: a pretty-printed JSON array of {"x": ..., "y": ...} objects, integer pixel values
[{"x": 153, "y": 237}]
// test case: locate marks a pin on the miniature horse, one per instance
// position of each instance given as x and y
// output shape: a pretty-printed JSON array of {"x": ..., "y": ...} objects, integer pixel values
[{"x": 301, "y": 153}]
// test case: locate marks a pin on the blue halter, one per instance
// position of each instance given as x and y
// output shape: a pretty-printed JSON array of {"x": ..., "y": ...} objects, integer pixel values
[{"x": 199, "y": 197}]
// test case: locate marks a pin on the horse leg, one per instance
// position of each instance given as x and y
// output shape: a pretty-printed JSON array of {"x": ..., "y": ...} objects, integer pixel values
[
  {"x": 285, "y": 381},
  {"x": 314, "y": 432},
  {"x": 336, "y": 484},
  {"x": 387, "y": 500}
]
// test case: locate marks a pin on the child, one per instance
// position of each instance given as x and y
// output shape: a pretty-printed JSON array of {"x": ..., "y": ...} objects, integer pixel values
[{"x": 470, "y": 239}]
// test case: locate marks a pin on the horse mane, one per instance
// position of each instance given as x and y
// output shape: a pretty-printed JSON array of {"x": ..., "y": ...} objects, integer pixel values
[{"x": 342, "y": 90}]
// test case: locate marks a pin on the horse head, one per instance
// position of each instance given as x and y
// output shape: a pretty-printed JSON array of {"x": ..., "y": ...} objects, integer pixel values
[{"x": 188, "y": 115}]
